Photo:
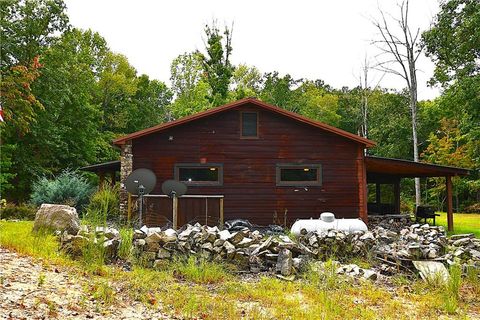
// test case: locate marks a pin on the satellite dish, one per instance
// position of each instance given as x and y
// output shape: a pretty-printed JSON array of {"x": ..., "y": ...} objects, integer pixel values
[
  {"x": 174, "y": 188},
  {"x": 141, "y": 179},
  {"x": 140, "y": 182}
]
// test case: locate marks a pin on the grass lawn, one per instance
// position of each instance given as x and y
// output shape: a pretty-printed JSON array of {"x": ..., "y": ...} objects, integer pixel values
[
  {"x": 213, "y": 291},
  {"x": 462, "y": 223}
]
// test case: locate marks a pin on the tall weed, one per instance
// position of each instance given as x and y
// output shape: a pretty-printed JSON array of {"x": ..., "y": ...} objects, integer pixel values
[{"x": 452, "y": 289}]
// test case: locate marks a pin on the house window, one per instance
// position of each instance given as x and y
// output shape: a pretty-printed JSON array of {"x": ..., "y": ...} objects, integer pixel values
[
  {"x": 249, "y": 125},
  {"x": 199, "y": 174},
  {"x": 299, "y": 175}
]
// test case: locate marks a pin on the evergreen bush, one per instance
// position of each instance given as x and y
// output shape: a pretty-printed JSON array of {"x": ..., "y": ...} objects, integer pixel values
[{"x": 69, "y": 188}]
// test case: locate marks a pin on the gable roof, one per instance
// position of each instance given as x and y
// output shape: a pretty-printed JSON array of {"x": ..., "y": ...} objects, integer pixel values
[{"x": 232, "y": 105}]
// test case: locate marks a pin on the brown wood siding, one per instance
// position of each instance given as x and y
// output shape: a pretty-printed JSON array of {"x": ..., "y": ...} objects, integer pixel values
[{"x": 249, "y": 165}]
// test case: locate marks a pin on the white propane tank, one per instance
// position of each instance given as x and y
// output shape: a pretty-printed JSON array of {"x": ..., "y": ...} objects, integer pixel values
[{"x": 327, "y": 222}]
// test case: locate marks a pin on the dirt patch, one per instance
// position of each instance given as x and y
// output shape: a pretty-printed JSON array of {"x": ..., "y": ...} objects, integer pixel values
[{"x": 31, "y": 290}]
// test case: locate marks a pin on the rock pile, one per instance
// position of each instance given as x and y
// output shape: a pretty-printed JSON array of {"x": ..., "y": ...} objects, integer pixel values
[
  {"x": 108, "y": 239},
  {"x": 250, "y": 250},
  {"x": 416, "y": 242},
  {"x": 255, "y": 251},
  {"x": 464, "y": 247}
]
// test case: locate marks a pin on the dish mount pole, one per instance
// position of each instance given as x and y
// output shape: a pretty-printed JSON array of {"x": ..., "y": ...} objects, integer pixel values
[
  {"x": 141, "y": 192},
  {"x": 175, "y": 209}
]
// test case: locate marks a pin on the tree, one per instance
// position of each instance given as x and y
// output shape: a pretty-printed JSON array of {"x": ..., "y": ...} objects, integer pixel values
[
  {"x": 280, "y": 91},
  {"x": 389, "y": 122},
  {"x": 245, "y": 82},
  {"x": 188, "y": 85},
  {"x": 117, "y": 87},
  {"x": 28, "y": 27},
  {"x": 402, "y": 50},
  {"x": 365, "y": 91},
  {"x": 453, "y": 42},
  {"x": 315, "y": 102},
  {"x": 448, "y": 146},
  {"x": 150, "y": 104},
  {"x": 216, "y": 62},
  {"x": 19, "y": 104}
]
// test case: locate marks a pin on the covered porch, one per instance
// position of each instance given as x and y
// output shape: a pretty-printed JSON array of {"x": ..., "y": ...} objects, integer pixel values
[
  {"x": 384, "y": 176},
  {"x": 106, "y": 172}
]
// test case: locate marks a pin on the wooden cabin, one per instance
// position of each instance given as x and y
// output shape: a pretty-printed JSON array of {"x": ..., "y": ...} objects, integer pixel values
[{"x": 255, "y": 161}]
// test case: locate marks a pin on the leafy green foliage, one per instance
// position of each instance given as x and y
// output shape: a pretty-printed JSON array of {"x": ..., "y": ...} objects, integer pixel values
[
  {"x": 453, "y": 42},
  {"x": 189, "y": 86},
  {"x": 28, "y": 27},
  {"x": 68, "y": 188},
  {"x": 245, "y": 82}
]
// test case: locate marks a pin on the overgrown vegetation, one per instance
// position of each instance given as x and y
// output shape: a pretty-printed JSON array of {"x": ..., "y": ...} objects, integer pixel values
[
  {"x": 197, "y": 289},
  {"x": 69, "y": 188},
  {"x": 104, "y": 205}
]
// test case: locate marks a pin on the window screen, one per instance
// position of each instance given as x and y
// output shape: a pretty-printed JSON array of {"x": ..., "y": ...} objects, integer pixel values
[
  {"x": 292, "y": 175},
  {"x": 249, "y": 124}
]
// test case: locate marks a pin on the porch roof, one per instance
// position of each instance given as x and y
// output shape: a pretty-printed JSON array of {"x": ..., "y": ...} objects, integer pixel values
[
  {"x": 405, "y": 168},
  {"x": 103, "y": 167}
]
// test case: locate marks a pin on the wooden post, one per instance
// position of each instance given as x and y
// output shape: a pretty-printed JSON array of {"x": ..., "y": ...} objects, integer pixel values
[
  {"x": 175, "y": 211},
  {"x": 112, "y": 182},
  {"x": 378, "y": 198},
  {"x": 221, "y": 212},
  {"x": 396, "y": 192},
  {"x": 448, "y": 180},
  {"x": 206, "y": 211},
  {"x": 101, "y": 176}
]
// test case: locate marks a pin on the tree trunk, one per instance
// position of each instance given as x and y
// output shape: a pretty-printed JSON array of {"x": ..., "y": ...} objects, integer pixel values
[{"x": 413, "y": 109}]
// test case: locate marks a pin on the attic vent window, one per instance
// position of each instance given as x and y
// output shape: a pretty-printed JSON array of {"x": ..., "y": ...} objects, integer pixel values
[{"x": 249, "y": 125}]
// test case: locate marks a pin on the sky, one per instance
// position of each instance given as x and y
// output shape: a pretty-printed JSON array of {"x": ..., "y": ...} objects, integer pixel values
[{"x": 320, "y": 39}]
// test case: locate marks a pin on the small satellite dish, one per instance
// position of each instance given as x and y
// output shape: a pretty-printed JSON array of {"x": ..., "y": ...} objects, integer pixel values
[
  {"x": 174, "y": 188},
  {"x": 141, "y": 179},
  {"x": 140, "y": 182}
]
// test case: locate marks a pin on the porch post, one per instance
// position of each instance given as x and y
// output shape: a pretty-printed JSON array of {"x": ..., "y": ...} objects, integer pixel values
[
  {"x": 449, "y": 203},
  {"x": 378, "y": 198},
  {"x": 396, "y": 192},
  {"x": 112, "y": 176},
  {"x": 101, "y": 176}
]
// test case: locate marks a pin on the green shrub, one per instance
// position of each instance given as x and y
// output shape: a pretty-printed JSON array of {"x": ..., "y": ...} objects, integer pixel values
[
  {"x": 68, "y": 188},
  {"x": 107, "y": 202},
  {"x": 20, "y": 212}
]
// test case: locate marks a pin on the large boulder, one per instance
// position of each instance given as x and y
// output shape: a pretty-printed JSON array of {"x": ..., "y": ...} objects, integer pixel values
[{"x": 55, "y": 217}]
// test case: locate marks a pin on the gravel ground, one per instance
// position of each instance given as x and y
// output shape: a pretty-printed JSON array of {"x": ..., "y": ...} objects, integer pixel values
[{"x": 29, "y": 290}]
